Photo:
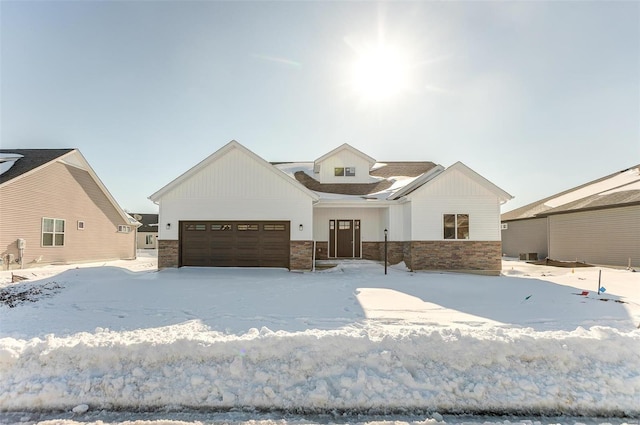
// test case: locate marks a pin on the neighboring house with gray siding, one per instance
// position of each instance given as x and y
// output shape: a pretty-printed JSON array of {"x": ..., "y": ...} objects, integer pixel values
[
  {"x": 54, "y": 209},
  {"x": 147, "y": 237},
  {"x": 597, "y": 223}
]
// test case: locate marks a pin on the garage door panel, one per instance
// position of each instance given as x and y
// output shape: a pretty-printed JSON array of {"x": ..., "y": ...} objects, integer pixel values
[{"x": 235, "y": 243}]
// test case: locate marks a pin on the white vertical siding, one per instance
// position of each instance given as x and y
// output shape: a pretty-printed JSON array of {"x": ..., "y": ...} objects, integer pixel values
[
  {"x": 608, "y": 236},
  {"x": 344, "y": 158},
  {"x": 454, "y": 193},
  {"x": 372, "y": 222},
  {"x": 236, "y": 187},
  {"x": 397, "y": 222}
]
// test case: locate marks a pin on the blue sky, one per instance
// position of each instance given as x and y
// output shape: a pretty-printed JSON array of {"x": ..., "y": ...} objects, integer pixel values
[{"x": 537, "y": 97}]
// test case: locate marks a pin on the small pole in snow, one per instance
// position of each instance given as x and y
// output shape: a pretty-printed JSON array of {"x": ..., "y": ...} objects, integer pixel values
[
  {"x": 599, "y": 278},
  {"x": 385, "y": 251}
]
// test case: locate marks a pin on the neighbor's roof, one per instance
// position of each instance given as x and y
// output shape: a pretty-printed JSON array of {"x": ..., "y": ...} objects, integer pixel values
[
  {"x": 31, "y": 159},
  {"x": 149, "y": 222},
  {"x": 621, "y": 188},
  {"x": 15, "y": 163}
]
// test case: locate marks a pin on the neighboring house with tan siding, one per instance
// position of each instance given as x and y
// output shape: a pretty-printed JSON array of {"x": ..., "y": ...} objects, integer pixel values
[
  {"x": 236, "y": 209},
  {"x": 597, "y": 223},
  {"x": 54, "y": 209},
  {"x": 147, "y": 237}
]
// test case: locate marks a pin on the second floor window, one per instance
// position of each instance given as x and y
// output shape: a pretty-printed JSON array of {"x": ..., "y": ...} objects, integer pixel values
[{"x": 344, "y": 171}]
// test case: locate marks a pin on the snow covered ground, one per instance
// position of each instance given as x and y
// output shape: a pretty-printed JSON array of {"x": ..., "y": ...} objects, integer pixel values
[{"x": 121, "y": 336}]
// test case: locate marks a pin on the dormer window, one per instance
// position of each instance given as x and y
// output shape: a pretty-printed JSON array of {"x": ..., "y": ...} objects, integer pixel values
[{"x": 344, "y": 171}]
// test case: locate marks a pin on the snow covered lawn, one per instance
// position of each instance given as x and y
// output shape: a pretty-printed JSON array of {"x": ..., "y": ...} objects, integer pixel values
[{"x": 121, "y": 335}]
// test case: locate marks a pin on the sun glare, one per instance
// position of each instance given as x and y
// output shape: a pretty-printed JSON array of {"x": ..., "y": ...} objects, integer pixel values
[{"x": 380, "y": 72}]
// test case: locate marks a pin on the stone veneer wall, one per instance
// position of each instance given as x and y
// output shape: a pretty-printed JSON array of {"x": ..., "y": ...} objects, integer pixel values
[
  {"x": 167, "y": 254},
  {"x": 322, "y": 250},
  {"x": 301, "y": 256},
  {"x": 371, "y": 251},
  {"x": 456, "y": 255}
]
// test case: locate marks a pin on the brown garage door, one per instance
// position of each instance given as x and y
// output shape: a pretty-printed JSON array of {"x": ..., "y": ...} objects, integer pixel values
[{"x": 234, "y": 243}]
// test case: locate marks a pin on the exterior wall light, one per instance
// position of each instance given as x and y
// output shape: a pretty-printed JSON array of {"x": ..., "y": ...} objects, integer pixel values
[
  {"x": 168, "y": 226},
  {"x": 300, "y": 227}
]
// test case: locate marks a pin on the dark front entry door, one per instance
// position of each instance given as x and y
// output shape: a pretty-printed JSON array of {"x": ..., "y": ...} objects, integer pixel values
[{"x": 344, "y": 238}]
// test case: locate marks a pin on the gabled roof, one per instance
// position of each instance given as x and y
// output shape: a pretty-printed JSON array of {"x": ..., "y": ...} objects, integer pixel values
[
  {"x": 459, "y": 166},
  {"x": 346, "y": 146},
  {"x": 605, "y": 192},
  {"x": 149, "y": 222},
  {"x": 33, "y": 160},
  {"x": 385, "y": 176},
  {"x": 218, "y": 154}
]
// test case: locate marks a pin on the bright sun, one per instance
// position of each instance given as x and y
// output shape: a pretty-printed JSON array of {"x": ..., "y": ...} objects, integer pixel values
[{"x": 380, "y": 72}]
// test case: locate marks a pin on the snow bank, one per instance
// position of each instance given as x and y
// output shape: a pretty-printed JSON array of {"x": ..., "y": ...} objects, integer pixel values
[
  {"x": 349, "y": 339},
  {"x": 593, "y": 371}
]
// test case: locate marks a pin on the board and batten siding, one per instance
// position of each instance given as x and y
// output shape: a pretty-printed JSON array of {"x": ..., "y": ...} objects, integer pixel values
[
  {"x": 344, "y": 158},
  {"x": 236, "y": 187},
  {"x": 525, "y": 237},
  {"x": 66, "y": 192},
  {"x": 606, "y": 236},
  {"x": 454, "y": 193},
  {"x": 371, "y": 222}
]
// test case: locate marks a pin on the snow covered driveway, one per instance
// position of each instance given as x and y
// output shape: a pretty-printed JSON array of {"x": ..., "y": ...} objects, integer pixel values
[{"x": 347, "y": 339}]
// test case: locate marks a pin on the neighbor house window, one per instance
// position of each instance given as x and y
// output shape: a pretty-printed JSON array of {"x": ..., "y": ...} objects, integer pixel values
[
  {"x": 124, "y": 229},
  {"x": 149, "y": 240},
  {"x": 456, "y": 226},
  {"x": 52, "y": 232},
  {"x": 344, "y": 171}
]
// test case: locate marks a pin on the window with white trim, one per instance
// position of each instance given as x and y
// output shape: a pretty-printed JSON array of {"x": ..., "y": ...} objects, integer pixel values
[
  {"x": 80, "y": 225},
  {"x": 53, "y": 231},
  {"x": 456, "y": 226},
  {"x": 344, "y": 171}
]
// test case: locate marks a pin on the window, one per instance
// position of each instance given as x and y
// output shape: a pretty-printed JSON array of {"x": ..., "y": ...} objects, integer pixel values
[
  {"x": 52, "y": 232},
  {"x": 80, "y": 225},
  {"x": 342, "y": 171},
  {"x": 456, "y": 226},
  {"x": 274, "y": 227},
  {"x": 195, "y": 227},
  {"x": 243, "y": 227},
  {"x": 124, "y": 229},
  {"x": 220, "y": 227},
  {"x": 344, "y": 225},
  {"x": 149, "y": 240}
]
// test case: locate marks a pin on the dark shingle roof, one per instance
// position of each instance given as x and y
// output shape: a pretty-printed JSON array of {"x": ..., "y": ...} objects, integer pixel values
[
  {"x": 149, "y": 222},
  {"x": 616, "y": 199},
  {"x": 539, "y": 209},
  {"x": 32, "y": 159},
  {"x": 390, "y": 169}
]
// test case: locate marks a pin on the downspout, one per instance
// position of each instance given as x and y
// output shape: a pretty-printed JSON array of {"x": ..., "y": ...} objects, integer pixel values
[{"x": 313, "y": 257}]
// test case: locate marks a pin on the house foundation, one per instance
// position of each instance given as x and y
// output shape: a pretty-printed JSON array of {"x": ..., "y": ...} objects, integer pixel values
[
  {"x": 463, "y": 256},
  {"x": 301, "y": 255},
  {"x": 168, "y": 254}
]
